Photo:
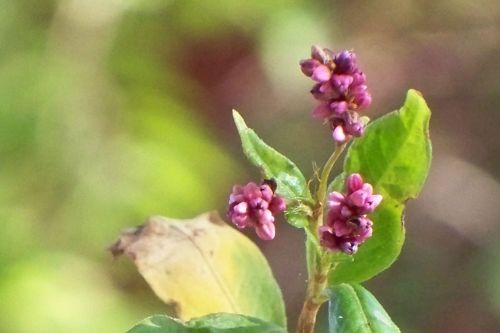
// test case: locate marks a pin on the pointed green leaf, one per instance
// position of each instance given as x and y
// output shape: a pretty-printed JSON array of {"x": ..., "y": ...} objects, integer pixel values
[
  {"x": 213, "y": 323},
  {"x": 203, "y": 266},
  {"x": 291, "y": 183},
  {"x": 353, "y": 309},
  {"x": 393, "y": 155}
]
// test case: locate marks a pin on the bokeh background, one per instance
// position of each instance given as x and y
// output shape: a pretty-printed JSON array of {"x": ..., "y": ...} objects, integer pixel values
[{"x": 114, "y": 110}]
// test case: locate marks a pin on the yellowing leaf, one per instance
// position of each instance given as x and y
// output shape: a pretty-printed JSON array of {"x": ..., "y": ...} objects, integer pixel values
[{"x": 203, "y": 266}]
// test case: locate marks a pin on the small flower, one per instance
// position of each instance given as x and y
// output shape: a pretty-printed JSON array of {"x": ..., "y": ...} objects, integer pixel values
[
  {"x": 347, "y": 225},
  {"x": 340, "y": 88},
  {"x": 256, "y": 206}
]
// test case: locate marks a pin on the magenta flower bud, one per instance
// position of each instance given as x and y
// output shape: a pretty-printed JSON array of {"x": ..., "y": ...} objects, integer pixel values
[
  {"x": 321, "y": 74},
  {"x": 353, "y": 124},
  {"x": 371, "y": 203},
  {"x": 363, "y": 100},
  {"x": 308, "y": 66},
  {"x": 341, "y": 82},
  {"x": 262, "y": 204},
  {"x": 255, "y": 206},
  {"x": 356, "y": 129},
  {"x": 354, "y": 182},
  {"x": 265, "y": 216},
  {"x": 266, "y": 231},
  {"x": 341, "y": 228},
  {"x": 335, "y": 200},
  {"x": 349, "y": 246},
  {"x": 266, "y": 192},
  {"x": 358, "y": 198},
  {"x": 252, "y": 192},
  {"x": 277, "y": 205},
  {"x": 375, "y": 200},
  {"x": 345, "y": 62},
  {"x": 359, "y": 89},
  {"x": 361, "y": 97},
  {"x": 241, "y": 208},
  {"x": 322, "y": 111},
  {"x": 368, "y": 188},
  {"x": 236, "y": 195},
  {"x": 358, "y": 79},
  {"x": 364, "y": 234},
  {"x": 346, "y": 212},
  {"x": 338, "y": 134},
  {"x": 240, "y": 220},
  {"x": 361, "y": 229},
  {"x": 339, "y": 107},
  {"x": 324, "y": 91}
]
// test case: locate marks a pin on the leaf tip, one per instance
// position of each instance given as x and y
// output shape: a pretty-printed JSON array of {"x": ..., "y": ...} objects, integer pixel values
[
  {"x": 415, "y": 92},
  {"x": 238, "y": 120},
  {"x": 415, "y": 98}
]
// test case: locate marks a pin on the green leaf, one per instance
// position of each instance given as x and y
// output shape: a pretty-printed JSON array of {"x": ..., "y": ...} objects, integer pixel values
[
  {"x": 203, "y": 266},
  {"x": 353, "y": 309},
  {"x": 213, "y": 323},
  {"x": 394, "y": 155},
  {"x": 296, "y": 219},
  {"x": 291, "y": 183}
]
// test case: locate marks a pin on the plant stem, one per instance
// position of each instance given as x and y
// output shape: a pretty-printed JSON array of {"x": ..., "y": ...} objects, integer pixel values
[
  {"x": 321, "y": 266},
  {"x": 323, "y": 187},
  {"x": 323, "y": 183},
  {"x": 314, "y": 297}
]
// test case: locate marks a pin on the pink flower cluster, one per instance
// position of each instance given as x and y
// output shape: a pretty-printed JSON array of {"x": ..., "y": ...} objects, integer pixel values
[
  {"x": 347, "y": 225},
  {"x": 256, "y": 206},
  {"x": 341, "y": 90}
]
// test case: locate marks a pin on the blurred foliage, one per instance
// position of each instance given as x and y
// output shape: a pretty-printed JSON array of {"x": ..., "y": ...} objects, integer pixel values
[
  {"x": 111, "y": 111},
  {"x": 91, "y": 143},
  {"x": 57, "y": 292}
]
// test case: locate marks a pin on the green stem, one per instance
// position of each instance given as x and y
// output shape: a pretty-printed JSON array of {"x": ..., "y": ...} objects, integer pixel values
[
  {"x": 321, "y": 266},
  {"x": 325, "y": 174},
  {"x": 314, "y": 296},
  {"x": 323, "y": 187}
]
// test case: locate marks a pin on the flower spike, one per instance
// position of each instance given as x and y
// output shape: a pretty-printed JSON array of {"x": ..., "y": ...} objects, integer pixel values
[
  {"x": 256, "y": 206},
  {"x": 347, "y": 225},
  {"x": 341, "y": 89}
]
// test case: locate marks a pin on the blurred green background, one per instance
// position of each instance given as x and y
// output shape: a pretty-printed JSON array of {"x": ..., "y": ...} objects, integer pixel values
[{"x": 111, "y": 111}]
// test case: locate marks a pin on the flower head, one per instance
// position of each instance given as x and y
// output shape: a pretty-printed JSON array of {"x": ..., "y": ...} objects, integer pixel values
[
  {"x": 341, "y": 90},
  {"x": 256, "y": 206},
  {"x": 347, "y": 225}
]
